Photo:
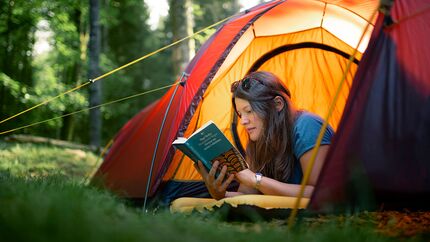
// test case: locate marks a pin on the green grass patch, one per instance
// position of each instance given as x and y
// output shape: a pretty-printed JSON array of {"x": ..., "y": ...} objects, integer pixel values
[
  {"x": 43, "y": 198},
  {"x": 34, "y": 160},
  {"x": 54, "y": 208}
]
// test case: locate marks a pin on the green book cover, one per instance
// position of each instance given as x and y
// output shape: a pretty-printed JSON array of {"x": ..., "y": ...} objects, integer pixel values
[{"x": 208, "y": 144}]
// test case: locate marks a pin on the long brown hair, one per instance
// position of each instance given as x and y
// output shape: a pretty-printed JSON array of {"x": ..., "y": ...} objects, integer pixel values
[{"x": 272, "y": 153}]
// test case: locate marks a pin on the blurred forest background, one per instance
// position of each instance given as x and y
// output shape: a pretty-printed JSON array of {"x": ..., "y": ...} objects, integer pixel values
[{"x": 88, "y": 38}]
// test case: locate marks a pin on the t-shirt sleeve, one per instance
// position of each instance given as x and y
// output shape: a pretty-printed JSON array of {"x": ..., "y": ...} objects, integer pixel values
[{"x": 306, "y": 132}]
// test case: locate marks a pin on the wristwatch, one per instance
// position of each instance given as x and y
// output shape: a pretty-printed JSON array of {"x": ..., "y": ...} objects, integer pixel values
[{"x": 258, "y": 177}]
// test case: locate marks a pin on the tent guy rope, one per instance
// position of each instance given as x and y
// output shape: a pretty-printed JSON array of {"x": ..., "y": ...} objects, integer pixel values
[
  {"x": 45, "y": 102},
  {"x": 108, "y": 74},
  {"x": 86, "y": 109},
  {"x": 97, "y": 163}
]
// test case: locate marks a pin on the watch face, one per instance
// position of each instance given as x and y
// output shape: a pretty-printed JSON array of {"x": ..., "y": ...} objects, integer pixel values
[{"x": 258, "y": 177}]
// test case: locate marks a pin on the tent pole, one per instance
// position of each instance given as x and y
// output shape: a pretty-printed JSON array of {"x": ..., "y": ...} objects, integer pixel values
[{"x": 148, "y": 183}]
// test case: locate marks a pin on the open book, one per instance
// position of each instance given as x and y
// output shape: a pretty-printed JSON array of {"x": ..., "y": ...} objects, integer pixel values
[{"x": 208, "y": 144}]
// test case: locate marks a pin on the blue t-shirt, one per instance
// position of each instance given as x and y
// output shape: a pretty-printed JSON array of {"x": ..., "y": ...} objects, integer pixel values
[{"x": 306, "y": 129}]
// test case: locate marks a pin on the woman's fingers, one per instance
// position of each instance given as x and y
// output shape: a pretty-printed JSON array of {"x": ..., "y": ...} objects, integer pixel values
[
  {"x": 216, "y": 187},
  {"x": 201, "y": 169},
  {"x": 221, "y": 176},
  {"x": 196, "y": 166},
  {"x": 227, "y": 182},
  {"x": 214, "y": 169},
  {"x": 209, "y": 178}
]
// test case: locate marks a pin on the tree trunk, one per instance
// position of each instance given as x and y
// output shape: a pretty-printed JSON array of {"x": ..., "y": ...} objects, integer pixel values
[
  {"x": 67, "y": 128},
  {"x": 182, "y": 22},
  {"x": 93, "y": 72}
]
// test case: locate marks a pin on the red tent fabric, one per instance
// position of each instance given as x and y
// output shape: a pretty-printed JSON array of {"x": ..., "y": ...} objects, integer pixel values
[{"x": 380, "y": 153}]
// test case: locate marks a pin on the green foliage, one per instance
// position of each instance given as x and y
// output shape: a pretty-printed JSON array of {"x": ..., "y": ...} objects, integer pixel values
[
  {"x": 67, "y": 20},
  {"x": 17, "y": 27},
  {"x": 47, "y": 86},
  {"x": 18, "y": 21},
  {"x": 128, "y": 37},
  {"x": 48, "y": 75},
  {"x": 209, "y": 12},
  {"x": 13, "y": 87}
]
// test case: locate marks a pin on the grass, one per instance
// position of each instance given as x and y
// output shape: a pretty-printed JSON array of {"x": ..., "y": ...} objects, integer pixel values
[
  {"x": 43, "y": 198},
  {"x": 35, "y": 160}
]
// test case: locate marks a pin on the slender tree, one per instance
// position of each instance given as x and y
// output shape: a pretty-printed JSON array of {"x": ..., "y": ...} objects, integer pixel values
[
  {"x": 182, "y": 23},
  {"x": 93, "y": 71}
]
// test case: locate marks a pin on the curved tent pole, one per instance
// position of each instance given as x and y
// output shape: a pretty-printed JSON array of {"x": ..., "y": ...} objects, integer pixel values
[{"x": 154, "y": 154}]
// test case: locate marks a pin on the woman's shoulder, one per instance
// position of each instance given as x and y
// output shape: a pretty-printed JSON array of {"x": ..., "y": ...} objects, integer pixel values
[
  {"x": 307, "y": 122},
  {"x": 305, "y": 117},
  {"x": 306, "y": 131}
]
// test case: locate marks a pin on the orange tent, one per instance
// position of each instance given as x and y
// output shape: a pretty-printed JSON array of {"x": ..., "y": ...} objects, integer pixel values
[{"x": 307, "y": 43}]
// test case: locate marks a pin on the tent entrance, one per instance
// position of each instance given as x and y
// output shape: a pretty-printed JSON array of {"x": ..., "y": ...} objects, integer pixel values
[
  {"x": 312, "y": 72},
  {"x": 285, "y": 48}
]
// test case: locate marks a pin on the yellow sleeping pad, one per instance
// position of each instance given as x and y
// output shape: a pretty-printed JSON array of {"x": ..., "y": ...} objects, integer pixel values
[{"x": 189, "y": 204}]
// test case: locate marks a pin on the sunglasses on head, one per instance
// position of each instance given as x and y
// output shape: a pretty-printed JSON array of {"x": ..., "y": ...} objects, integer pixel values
[{"x": 246, "y": 84}]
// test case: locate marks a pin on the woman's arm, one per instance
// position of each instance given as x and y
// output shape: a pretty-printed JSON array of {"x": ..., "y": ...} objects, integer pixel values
[
  {"x": 271, "y": 186},
  {"x": 318, "y": 164},
  {"x": 242, "y": 190}
]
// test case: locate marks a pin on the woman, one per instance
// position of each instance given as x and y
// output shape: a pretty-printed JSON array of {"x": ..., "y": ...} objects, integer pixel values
[{"x": 280, "y": 143}]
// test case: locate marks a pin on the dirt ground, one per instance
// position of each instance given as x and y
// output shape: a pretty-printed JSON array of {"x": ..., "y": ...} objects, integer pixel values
[{"x": 403, "y": 224}]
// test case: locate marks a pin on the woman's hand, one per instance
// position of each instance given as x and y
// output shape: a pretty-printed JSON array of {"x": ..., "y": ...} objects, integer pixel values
[
  {"x": 216, "y": 187},
  {"x": 246, "y": 177}
]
